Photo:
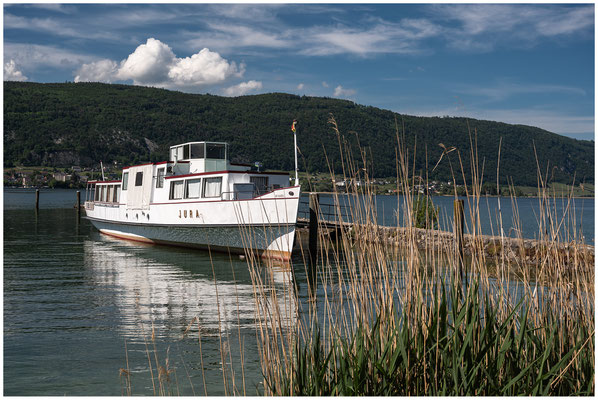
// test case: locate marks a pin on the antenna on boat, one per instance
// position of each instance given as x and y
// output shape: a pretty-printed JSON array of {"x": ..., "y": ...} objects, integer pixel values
[
  {"x": 102, "y": 166},
  {"x": 294, "y": 129}
]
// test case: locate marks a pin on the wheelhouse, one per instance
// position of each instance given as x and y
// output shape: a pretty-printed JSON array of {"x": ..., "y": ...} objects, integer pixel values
[{"x": 195, "y": 171}]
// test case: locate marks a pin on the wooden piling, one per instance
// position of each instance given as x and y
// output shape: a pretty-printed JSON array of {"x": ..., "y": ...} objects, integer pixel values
[
  {"x": 78, "y": 202},
  {"x": 37, "y": 199},
  {"x": 459, "y": 227},
  {"x": 314, "y": 202}
]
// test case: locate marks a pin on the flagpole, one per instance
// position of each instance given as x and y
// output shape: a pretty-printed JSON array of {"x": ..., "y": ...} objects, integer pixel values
[{"x": 296, "y": 168}]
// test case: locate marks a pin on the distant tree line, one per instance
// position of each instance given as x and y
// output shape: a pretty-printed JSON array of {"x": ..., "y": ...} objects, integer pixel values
[{"x": 83, "y": 123}]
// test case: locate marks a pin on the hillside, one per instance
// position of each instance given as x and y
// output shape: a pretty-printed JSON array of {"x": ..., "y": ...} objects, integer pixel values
[{"x": 81, "y": 124}]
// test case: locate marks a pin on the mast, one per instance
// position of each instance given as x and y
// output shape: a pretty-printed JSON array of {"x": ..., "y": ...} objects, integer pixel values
[{"x": 294, "y": 129}]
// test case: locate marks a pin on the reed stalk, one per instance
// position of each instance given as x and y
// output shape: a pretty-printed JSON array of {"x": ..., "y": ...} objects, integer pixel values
[{"x": 392, "y": 318}]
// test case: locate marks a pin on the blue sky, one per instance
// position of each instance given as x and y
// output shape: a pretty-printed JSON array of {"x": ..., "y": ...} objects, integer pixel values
[{"x": 515, "y": 63}]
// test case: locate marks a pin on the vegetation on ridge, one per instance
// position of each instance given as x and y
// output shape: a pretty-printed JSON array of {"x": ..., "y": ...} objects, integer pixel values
[{"x": 80, "y": 124}]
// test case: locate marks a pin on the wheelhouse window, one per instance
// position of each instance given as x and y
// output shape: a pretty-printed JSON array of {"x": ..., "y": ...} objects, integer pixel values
[
  {"x": 261, "y": 183},
  {"x": 116, "y": 197},
  {"x": 192, "y": 188},
  {"x": 160, "y": 177},
  {"x": 176, "y": 190},
  {"x": 139, "y": 178},
  {"x": 186, "y": 152},
  {"x": 212, "y": 187},
  {"x": 197, "y": 150},
  {"x": 215, "y": 151},
  {"x": 125, "y": 180}
]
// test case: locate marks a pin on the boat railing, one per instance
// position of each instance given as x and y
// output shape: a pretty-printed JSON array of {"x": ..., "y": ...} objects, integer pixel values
[
  {"x": 238, "y": 195},
  {"x": 328, "y": 209},
  {"x": 247, "y": 194}
]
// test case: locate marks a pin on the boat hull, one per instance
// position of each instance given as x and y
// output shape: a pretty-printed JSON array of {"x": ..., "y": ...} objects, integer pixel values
[
  {"x": 262, "y": 226},
  {"x": 266, "y": 241}
]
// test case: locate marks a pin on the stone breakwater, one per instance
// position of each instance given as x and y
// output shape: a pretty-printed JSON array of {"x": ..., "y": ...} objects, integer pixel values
[{"x": 512, "y": 250}]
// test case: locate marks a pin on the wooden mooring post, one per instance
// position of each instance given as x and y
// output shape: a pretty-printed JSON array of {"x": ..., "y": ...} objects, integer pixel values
[
  {"x": 37, "y": 199},
  {"x": 314, "y": 203},
  {"x": 459, "y": 227},
  {"x": 78, "y": 201}
]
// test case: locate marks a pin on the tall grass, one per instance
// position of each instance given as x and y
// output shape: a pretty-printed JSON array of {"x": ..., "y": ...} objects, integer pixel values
[{"x": 402, "y": 320}]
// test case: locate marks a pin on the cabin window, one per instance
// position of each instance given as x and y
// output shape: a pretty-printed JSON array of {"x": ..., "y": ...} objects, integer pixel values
[
  {"x": 243, "y": 191},
  {"x": 192, "y": 188},
  {"x": 261, "y": 184},
  {"x": 179, "y": 153},
  {"x": 139, "y": 179},
  {"x": 212, "y": 187},
  {"x": 186, "y": 152},
  {"x": 176, "y": 190},
  {"x": 215, "y": 151},
  {"x": 116, "y": 194},
  {"x": 125, "y": 180},
  {"x": 97, "y": 193},
  {"x": 108, "y": 193},
  {"x": 197, "y": 150},
  {"x": 172, "y": 153},
  {"x": 160, "y": 178}
]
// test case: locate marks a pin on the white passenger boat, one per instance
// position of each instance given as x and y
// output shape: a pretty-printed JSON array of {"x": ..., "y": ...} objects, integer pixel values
[{"x": 199, "y": 199}]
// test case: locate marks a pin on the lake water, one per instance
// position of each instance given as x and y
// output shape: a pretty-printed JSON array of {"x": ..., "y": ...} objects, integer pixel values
[
  {"x": 73, "y": 299},
  {"x": 79, "y": 306},
  {"x": 523, "y": 216}
]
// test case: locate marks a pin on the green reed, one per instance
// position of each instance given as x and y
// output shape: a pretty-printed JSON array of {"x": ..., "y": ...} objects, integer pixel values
[{"x": 390, "y": 318}]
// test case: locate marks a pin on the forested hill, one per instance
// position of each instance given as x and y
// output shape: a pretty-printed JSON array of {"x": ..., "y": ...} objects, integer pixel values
[{"x": 83, "y": 123}]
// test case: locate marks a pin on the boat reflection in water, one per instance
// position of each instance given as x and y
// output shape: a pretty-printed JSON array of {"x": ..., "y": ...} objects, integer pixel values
[
  {"x": 169, "y": 288},
  {"x": 166, "y": 298}
]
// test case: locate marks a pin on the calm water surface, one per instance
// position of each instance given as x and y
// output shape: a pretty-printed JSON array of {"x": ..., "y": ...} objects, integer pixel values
[{"x": 75, "y": 299}]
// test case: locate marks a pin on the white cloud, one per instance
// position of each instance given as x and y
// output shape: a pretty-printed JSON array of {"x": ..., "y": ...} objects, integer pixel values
[
  {"x": 228, "y": 36},
  {"x": 203, "y": 68},
  {"x": 154, "y": 63},
  {"x": 340, "y": 91},
  {"x": 325, "y": 84},
  {"x": 11, "y": 73},
  {"x": 243, "y": 88},
  {"x": 550, "y": 120},
  {"x": 481, "y": 27},
  {"x": 505, "y": 89},
  {"x": 150, "y": 63},
  {"x": 58, "y": 26},
  {"x": 32, "y": 56},
  {"x": 300, "y": 86},
  {"x": 379, "y": 37},
  {"x": 99, "y": 71},
  {"x": 568, "y": 22}
]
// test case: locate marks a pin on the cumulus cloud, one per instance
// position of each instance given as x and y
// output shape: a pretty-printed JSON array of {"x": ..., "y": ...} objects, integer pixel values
[
  {"x": 243, "y": 88},
  {"x": 300, "y": 86},
  {"x": 340, "y": 91},
  {"x": 11, "y": 73},
  {"x": 154, "y": 63},
  {"x": 99, "y": 71},
  {"x": 150, "y": 63},
  {"x": 204, "y": 68}
]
